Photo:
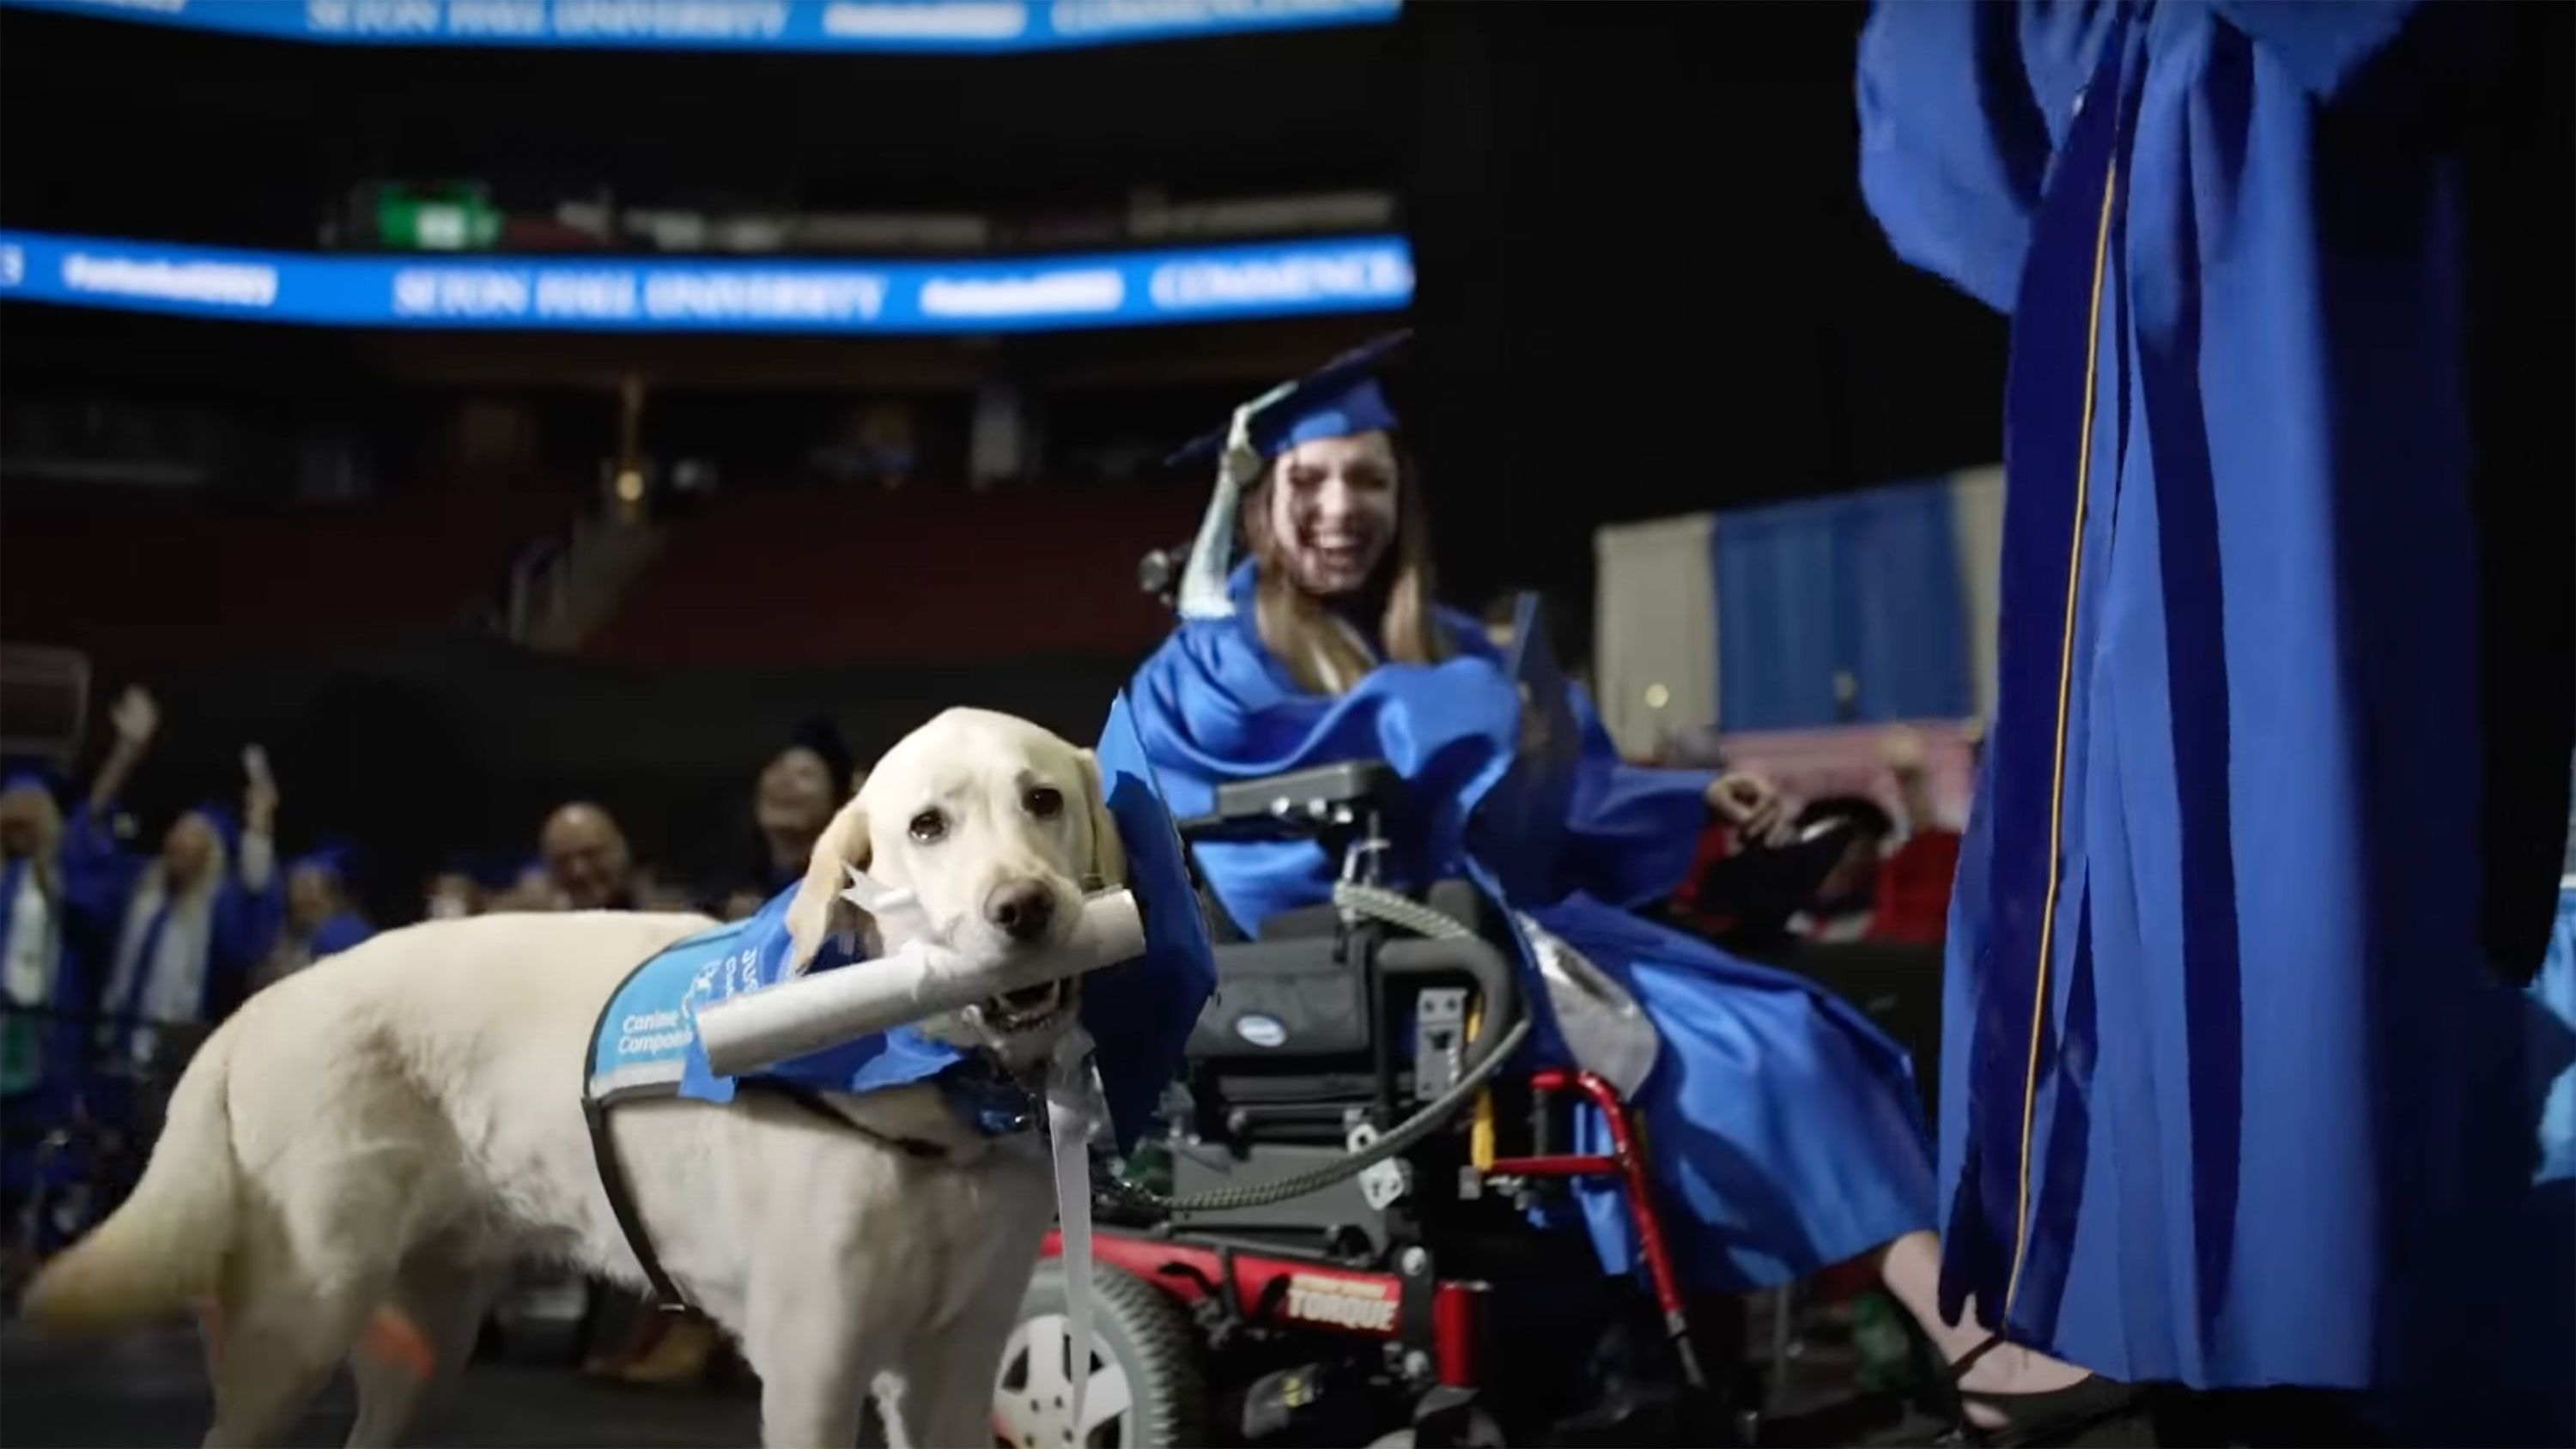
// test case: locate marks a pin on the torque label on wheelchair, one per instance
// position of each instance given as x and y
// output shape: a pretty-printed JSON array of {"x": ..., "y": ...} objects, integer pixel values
[{"x": 1354, "y": 1303}]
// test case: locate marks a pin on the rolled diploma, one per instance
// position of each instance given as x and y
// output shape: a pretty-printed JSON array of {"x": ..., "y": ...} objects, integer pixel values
[{"x": 762, "y": 1028}]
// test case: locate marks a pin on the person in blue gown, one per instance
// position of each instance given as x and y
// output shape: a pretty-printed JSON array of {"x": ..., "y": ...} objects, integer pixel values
[
  {"x": 321, "y": 918},
  {"x": 63, "y": 880},
  {"x": 2231, "y": 1090},
  {"x": 1785, "y": 1132},
  {"x": 197, "y": 927}
]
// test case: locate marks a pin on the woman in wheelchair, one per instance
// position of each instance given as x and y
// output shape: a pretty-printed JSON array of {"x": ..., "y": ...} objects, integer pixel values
[{"x": 1786, "y": 1134}]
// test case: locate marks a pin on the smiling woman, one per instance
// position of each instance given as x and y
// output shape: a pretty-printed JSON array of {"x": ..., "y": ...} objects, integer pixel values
[
  {"x": 1334, "y": 503},
  {"x": 1325, "y": 647}
]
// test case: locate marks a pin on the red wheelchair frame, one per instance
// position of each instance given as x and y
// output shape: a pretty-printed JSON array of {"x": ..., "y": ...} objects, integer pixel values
[{"x": 1436, "y": 1324}]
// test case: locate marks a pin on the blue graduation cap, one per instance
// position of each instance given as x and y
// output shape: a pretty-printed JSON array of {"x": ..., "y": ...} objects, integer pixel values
[
  {"x": 1337, "y": 400},
  {"x": 334, "y": 857},
  {"x": 222, "y": 821},
  {"x": 29, "y": 774}
]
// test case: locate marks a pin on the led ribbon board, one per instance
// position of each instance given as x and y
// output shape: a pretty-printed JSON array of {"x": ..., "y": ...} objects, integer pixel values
[
  {"x": 953, "y": 26},
  {"x": 1117, "y": 289}
]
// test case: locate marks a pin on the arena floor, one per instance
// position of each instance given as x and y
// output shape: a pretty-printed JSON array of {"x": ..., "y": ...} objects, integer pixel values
[{"x": 151, "y": 1390}]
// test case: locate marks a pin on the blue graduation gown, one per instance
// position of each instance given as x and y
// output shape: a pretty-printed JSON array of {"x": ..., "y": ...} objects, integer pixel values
[
  {"x": 2554, "y": 991},
  {"x": 93, "y": 876},
  {"x": 246, "y": 926},
  {"x": 2229, "y": 1094},
  {"x": 341, "y": 931},
  {"x": 242, "y": 927},
  {"x": 1785, "y": 1131}
]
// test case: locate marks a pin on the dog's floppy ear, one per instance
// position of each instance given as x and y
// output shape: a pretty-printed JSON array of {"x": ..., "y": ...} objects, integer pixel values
[
  {"x": 818, "y": 911},
  {"x": 1108, "y": 852}
]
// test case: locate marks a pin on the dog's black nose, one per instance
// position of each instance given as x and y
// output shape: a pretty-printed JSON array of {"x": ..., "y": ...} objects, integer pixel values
[{"x": 1022, "y": 909}]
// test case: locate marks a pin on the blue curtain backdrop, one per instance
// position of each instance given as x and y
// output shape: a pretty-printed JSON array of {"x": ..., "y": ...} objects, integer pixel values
[{"x": 1864, "y": 587}]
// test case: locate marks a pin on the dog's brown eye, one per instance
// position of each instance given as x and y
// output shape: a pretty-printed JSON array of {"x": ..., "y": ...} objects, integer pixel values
[
  {"x": 1044, "y": 803},
  {"x": 928, "y": 826}
]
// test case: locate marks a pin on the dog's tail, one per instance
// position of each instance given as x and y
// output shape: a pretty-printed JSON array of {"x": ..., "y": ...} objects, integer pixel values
[{"x": 164, "y": 1247}]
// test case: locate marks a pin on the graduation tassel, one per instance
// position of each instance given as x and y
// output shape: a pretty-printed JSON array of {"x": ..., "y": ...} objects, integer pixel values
[
  {"x": 1203, "y": 591},
  {"x": 1075, "y": 1111}
]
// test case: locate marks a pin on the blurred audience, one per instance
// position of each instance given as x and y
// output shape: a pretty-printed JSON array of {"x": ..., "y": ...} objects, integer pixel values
[
  {"x": 587, "y": 860},
  {"x": 62, "y": 883},
  {"x": 321, "y": 919},
  {"x": 799, "y": 791},
  {"x": 590, "y": 867},
  {"x": 454, "y": 893},
  {"x": 202, "y": 919},
  {"x": 62, "y": 886}
]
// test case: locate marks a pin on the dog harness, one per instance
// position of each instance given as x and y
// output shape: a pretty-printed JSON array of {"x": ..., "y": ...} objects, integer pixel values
[
  {"x": 1109, "y": 1070},
  {"x": 645, "y": 1045}
]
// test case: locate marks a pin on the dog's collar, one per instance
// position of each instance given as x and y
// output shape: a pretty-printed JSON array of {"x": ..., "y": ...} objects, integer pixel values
[{"x": 992, "y": 1100}]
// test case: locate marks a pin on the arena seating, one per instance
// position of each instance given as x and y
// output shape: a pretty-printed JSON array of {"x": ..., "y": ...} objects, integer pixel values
[
  {"x": 932, "y": 573},
  {"x": 143, "y": 581}
]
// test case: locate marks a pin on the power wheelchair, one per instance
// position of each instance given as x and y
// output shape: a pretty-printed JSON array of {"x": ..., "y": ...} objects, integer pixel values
[{"x": 1445, "y": 1295}]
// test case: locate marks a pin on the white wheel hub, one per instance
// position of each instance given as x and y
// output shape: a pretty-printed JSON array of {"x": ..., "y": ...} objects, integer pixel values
[{"x": 1033, "y": 1392}]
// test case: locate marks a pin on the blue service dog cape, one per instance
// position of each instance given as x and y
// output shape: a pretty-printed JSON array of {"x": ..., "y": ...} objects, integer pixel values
[{"x": 1138, "y": 1012}]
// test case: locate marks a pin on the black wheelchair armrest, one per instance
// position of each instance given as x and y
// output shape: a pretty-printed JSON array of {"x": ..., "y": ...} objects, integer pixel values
[
  {"x": 1470, "y": 956},
  {"x": 1306, "y": 803}
]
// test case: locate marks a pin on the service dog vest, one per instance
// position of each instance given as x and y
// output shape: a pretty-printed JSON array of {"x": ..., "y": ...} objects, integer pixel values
[
  {"x": 1138, "y": 1013},
  {"x": 646, "y": 1043}
]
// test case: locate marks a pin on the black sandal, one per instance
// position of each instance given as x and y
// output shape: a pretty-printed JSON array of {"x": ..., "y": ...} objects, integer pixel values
[{"x": 2053, "y": 1417}]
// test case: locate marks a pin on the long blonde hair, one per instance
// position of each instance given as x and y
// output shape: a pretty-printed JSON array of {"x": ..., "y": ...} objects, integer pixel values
[{"x": 1319, "y": 651}]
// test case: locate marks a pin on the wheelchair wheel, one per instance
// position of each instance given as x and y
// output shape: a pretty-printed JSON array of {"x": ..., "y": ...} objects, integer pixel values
[{"x": 1146, "y": 1389}]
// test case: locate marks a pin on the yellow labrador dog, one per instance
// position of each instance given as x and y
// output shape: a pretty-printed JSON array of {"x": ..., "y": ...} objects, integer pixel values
[{"x": 391, "y": 1129}]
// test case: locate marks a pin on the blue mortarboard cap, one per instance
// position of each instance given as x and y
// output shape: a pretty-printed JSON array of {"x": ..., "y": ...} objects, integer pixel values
[
  {"x": 334, "y": 856},
  {"x": 23, "y": 774},
  {"x": 1336, "y": 400},
  {"x": 1140, "y": 1013},
  {"x": 227, "y": 828},
  {"x": 1341, "y": 398},
  {"x": 1354, "y": 404}
]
